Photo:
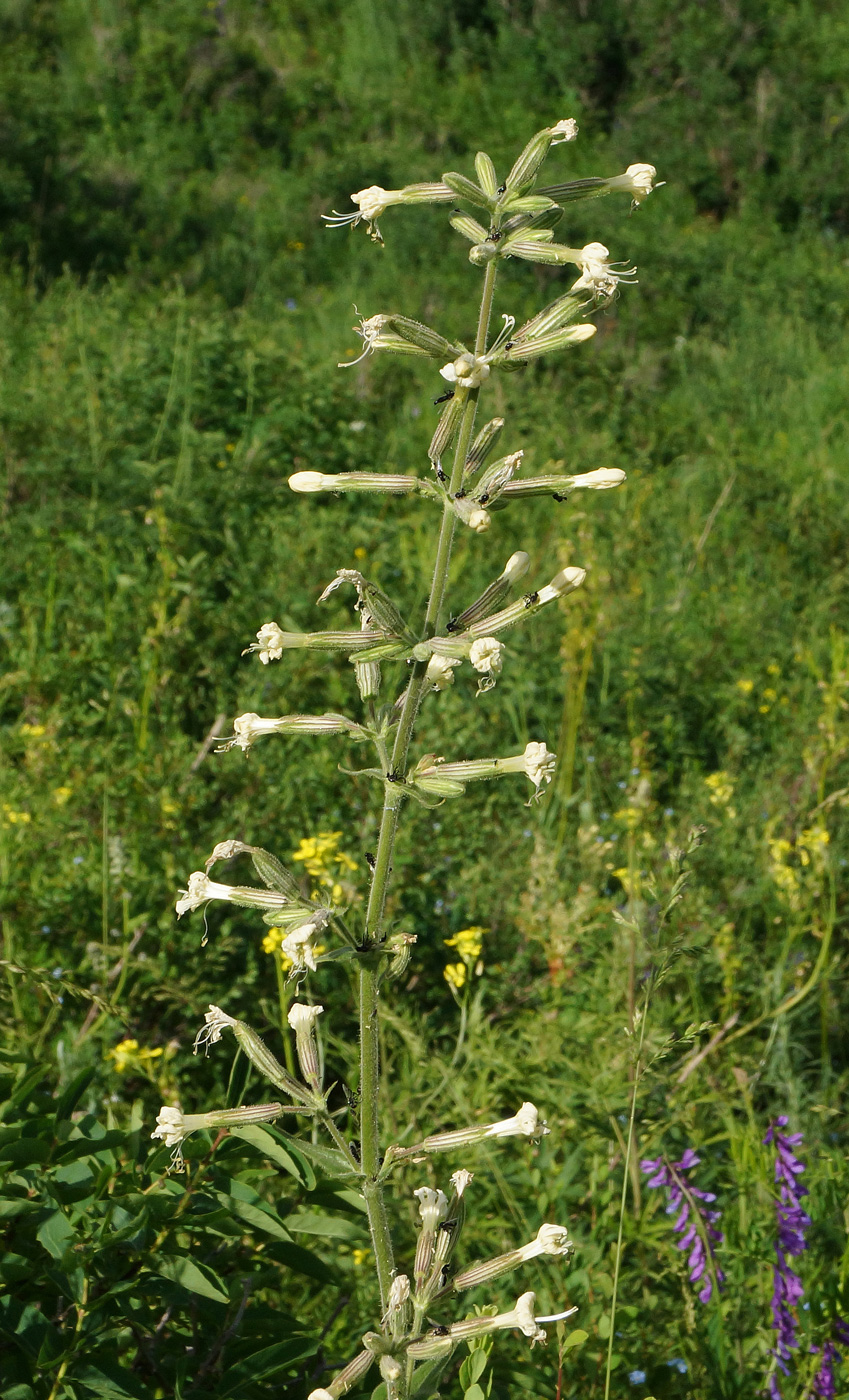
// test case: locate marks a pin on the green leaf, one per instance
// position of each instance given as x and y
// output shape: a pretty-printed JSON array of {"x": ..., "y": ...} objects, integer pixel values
[
  {"x": 474, "y": 1367},
  {"x": 197, "y": 1278},
  {"x": 576, "y": 1339},
  {"x": 474, "y": 1392},
  {"x": 237, "y": 1084},
  {"x": 604, "y": 1326},
  {"x": 427, "y": 1377},
  {"x": 329, "y": 1226},
  {"x": 109, "y": 1378},
  {"x": 328, "y": 1159},
  {"x": 266, "y": 1363},
  {"x": 72, "y": 1093},
  {"x": 56, "y": 1234},
  {"x": 24, "y": 1152},
  {"x": 302, "y": 1261},
  {"x": 259, "y": 1217},
  {"x": 265, "y": 1143},
  {"x": 89, "y": 1147}
]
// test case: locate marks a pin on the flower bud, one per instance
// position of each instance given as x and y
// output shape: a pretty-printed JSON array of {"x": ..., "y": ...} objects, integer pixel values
[
  {"x": 302, "y": 1019},
  {"x": 468, "y": 371},
  {"x": 492, "y": 482},
  {"x": 524, "y": 171},
  {"x": 485, "y": 171},
  {"x": 483, "y": 253},
  {"x": 173, "y": 1126},
  {"x": 483, "y": 445},
  {"x": 466, "y": 189},
  {"x": 602, "y": 479},
  {"x": 310, "y": 482},
  {"x": 446, "y": 428},
  {"x": 469, "y": 228},
  {"x": 535, "y": 346}
]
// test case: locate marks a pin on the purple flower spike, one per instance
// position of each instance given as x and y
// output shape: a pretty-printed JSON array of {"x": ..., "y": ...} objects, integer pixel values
[
  {"x": 792, "y": 1222},
  {"x": 680, "y": 1194},
  {"x": 825, "y": 1384}
]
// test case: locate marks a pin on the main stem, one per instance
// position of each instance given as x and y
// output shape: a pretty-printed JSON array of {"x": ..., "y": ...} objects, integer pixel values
[{"x": 370, "y": 971}]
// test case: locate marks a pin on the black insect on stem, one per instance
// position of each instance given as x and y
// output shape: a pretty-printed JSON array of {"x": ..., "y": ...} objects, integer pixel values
[
  {"x": 443, "y": 398},
  {"x": 530, "y": 599}
]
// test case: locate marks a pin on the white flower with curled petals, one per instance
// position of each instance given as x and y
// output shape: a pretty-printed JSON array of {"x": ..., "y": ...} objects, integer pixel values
[
  {"x": 270, "y": 639},
  {"x": 467, "y": 371},
  {"x": 539, "y": 764},
  {"x": 486, "y": 655},
  {"x": 565, "y": 130},
  {"x": 597, "y": 274},
  {"x": 440, "y": 671}
]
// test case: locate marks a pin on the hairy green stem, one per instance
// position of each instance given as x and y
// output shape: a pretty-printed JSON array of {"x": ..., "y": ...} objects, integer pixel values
[{"x": 369, "y": 974}]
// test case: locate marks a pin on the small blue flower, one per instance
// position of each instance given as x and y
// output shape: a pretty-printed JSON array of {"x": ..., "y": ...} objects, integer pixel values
[
  {"x": 669, "y": 811},
  {"x": 637, "y": 1377},
  {"x": 635, "y": 772},
  {"x": 57, "y": 972},
  {"x": 78, "y": 860},
  {"x": 621, "y": 785},
  {"x": 45, "y": 928},
  {"x": 605, "y": 816},
  {"x": 291, "y": 304},
  {"x": 678, "y": 1365},
  {"x": 590, "y": 758}
]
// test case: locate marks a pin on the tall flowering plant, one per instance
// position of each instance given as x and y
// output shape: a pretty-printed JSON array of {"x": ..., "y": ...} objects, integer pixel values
[
  {"x": 791, "y": 1223},
  {"x": 511, "y": 217}
]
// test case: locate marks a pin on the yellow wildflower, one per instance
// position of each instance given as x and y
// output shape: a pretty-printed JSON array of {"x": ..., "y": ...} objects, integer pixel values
[
  {"x": 326, "y": 864},
  {"x": 721, "y": 791},
  {"x": 360, "y": 1257},
  {"x": 468, "y": 942},
  {"x": 455, "y": 975},
  {"x": 61, "y": 795},
  {"x": 630, "y": 816},
  {"x": 14, "y": 818},
  {"x": 128, "y": 1055},
  {"x": 33, "y": 731},
  {"x": 745, "y": 686}
]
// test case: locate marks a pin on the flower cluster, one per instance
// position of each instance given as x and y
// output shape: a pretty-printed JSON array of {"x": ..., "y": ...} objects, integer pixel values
[
  {"x": 792, "y": 1222},
  {"x": 696, "y": 1225},
  {"x": 824, "y": 1383}
]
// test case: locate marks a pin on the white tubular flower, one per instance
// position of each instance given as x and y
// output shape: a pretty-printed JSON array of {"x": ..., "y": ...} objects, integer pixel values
[
  {"x": 467, "y": 371},
  {"x": 461, "y": 1180},
  {"x": 602, "y": 479},
  {"x": 302, "y": 1019},
  {"x": 564, "y": 582},
  {"x": 440, "y": 671},
  {"x": 565, "y": 130},
  {"x": 270, "y": 638},
  {"x": 201, "y": 888},
  {"x": 638, "y": 181},
  {"x": 516, "y": 567},
  {"x": 433, "y": 1207},
  {"x": 486, "y": 656},
  {"x": 215, "y": 1022},
  {"x": 552, "y": 1239},
  {"x": 539, "y": 764},
  {"x": 597, "y": 275},
  {"x": 297, "y": 946},
  {"x": 172, "y": 1125},
  {"x": 368, "y": 330},
  {"x": 373, "y": 201},
  {"x": 250, "y": 727},
  {"x": 521, "y": 1317},
  {"x": 399, "y": 1292},
  {"x": 307, "y": 483},
  {"x": 525, "y": 1123}
]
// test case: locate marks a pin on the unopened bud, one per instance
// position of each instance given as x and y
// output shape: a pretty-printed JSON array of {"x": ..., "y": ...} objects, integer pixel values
[
  {"x": 483, "y": 445},
  {"x": 310, "y": 482},
  {"x": 302, "y": 1019}
]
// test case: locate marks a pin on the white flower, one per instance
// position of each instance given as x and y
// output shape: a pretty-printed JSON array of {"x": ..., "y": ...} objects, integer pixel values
[
  {"x": 524, "y": 1315},
  {"x": 525, "y": 1123},
  {"x": 306, "y": 482},
  {"x": 296, "y": 945},
  {"x": 247, "y": 728},
  {"x": 597, "y": 275},
  {"x": 440, "y": 672},
  {"x": 553, "y": 1239},
  {"x": 516, "y": 566},
  {"x": 602, "y": 479},
  {"x": 480, "y": 520},
  {"x": 270, "y": 639},
  {"x": 486, "y": 656},
  {"x": 170, "y": 1126},
  {"x": 433, "y": 1207},
  {"x": 200, "y": 889},
  {"x": 461, "y": 1180},
  {"x": 565, "y": 130},
  {"x": 399, "y": 1292},
  {"x": 374, "y": 201},
  {"x": 215, "y": 1021},
  {"x": 641, "y": 181},
  {"x": 539, "y": 766},
  {"x": 467, "y": 371},
  {"x": 564, "y": 582},
  {"x": 320, "y": 1395},
  {"x": 368, "y": 330},
  {"x": 302, "y": 1018}
]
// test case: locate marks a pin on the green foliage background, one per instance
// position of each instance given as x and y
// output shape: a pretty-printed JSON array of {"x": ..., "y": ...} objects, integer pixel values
[{"x": 172, "y": 315}]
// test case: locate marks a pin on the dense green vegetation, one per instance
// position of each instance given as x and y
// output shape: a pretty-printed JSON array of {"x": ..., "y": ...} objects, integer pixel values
[{"x": 172, "y": 316}]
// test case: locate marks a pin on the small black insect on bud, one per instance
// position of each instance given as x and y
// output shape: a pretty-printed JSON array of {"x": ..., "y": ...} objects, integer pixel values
[
  {"x": 530, "y": 599},
  {"x": 370, "y": 860},
  {"x": 439, "y": 1330},
  {"x": 443, "y": 398}
]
